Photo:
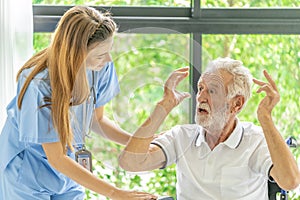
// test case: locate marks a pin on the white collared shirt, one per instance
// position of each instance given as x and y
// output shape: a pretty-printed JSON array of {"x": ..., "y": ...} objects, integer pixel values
[{"x": 236, "y": 169}]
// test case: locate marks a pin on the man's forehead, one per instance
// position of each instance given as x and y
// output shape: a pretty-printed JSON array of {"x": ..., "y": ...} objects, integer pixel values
[{"x": 216, "y": 77}]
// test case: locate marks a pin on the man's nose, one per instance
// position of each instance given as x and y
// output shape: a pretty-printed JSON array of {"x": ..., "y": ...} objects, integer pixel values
[{"x": 202, "y": 96}]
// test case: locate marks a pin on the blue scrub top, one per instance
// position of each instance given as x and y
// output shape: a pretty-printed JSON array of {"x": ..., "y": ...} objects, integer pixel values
[{"x": 27, "y": 128}]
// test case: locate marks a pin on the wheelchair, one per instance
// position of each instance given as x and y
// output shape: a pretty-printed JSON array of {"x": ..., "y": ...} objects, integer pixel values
[{"x": 274, "y": 191}]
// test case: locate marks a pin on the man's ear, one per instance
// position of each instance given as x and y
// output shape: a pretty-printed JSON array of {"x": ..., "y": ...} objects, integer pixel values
[{"x": 238, "y": 104}]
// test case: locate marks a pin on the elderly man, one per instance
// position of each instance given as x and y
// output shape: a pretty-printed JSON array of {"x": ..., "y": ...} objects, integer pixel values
[{"x": 219, "y": 157}]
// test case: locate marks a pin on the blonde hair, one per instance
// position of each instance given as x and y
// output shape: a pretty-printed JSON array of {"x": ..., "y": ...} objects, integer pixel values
[{"x": 79, "y": 28}]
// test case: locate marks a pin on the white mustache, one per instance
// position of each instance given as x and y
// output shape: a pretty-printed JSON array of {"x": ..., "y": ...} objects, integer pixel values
[{"x": 204, "y": 106}]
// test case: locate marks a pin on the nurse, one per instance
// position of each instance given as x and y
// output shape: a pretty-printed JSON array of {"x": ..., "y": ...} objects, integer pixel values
[{"x": 58, "y": 91}]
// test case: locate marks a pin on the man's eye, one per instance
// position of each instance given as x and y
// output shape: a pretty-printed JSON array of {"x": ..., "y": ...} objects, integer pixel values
[{"x": 211, "y": 91}]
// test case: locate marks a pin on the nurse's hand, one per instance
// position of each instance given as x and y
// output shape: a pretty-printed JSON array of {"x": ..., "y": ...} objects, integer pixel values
[{"x": 132, "y": 195}]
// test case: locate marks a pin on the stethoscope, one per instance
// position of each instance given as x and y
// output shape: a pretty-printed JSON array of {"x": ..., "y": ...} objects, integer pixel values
[
  {"x": 91, "y": 98},
  {"x": 88, "y": 106}
]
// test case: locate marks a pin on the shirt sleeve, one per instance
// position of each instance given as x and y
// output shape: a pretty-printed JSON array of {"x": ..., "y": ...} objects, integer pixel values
[
  {"x": 168, "y": 143},
  {"x": 107, "y": 84},
  {"x": 261, "y": 161},
  {"x": 35, "y": 123}
]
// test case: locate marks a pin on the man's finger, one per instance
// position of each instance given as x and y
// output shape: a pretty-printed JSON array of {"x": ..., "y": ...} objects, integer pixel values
[
  {"x": 270, "y": 80},
  {"x": 266, "y": 88},
  {"x": 258, "y": 82}
]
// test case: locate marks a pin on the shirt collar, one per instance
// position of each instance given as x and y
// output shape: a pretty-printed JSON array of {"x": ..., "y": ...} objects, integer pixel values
[
  {"x": 201, "y": 137},
  {"x": 235, "y": 137},
  {"x": 232, "y": 141}
]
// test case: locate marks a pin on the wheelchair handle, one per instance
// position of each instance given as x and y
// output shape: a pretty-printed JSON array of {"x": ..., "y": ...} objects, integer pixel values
[{"x": 292, "y": 142}]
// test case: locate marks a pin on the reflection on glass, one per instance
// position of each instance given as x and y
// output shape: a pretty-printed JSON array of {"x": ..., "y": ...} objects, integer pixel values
[
  {"x": 143, "y": 62},
  {"x": 177, "y": 3}
]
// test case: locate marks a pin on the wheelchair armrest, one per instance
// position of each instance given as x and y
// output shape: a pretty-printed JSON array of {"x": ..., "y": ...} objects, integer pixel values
[{"x": 273, "y": 189}]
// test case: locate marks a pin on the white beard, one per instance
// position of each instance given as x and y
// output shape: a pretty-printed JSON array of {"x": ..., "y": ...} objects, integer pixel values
[{"x": 213, "y": 121}]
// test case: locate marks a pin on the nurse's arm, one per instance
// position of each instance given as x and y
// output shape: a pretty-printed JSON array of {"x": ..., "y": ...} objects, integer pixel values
[
  {"x": 107, "y": 128},
  {"x": 74, "y": 171}
]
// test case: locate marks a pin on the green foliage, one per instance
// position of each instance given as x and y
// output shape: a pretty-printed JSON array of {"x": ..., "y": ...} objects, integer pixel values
[
  {"x": 164, "y": 182},
  {"x": 184, "y": 3},
  {"x": 250, "y": 3},
  {"x": 41, "y": 41}
]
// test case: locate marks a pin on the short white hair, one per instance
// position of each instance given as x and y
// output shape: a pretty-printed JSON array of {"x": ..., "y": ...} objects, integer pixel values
[{"x": 242, "y": 78}]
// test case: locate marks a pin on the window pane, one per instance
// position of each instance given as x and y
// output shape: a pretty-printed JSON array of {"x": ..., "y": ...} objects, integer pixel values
[
  {"x": 280, "y": 56},
  {"x": 249, "y": 3},
  {"x": 179, "y": 3},
  {"x": 41, "y": 41},
  {"x": 143, "y": 62}
]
